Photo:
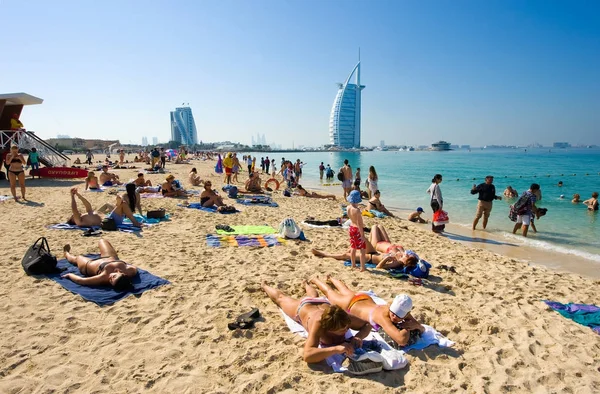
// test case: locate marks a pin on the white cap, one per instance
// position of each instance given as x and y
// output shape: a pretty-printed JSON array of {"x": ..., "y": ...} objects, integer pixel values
[{"x": 401, "y": 306}]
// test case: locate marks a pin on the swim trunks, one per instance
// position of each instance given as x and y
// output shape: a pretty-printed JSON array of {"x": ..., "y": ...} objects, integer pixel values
[
  {"x": 347, "y": 184},
  {"x": 356, "y": 241},
  {"x": 107, "y": 183}
]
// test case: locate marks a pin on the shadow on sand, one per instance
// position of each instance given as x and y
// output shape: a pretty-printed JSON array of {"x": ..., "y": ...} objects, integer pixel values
[{"x": 464, "y": 238}]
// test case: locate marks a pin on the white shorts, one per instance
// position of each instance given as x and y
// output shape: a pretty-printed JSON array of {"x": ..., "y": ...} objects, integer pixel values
[{"x": 525, "y": 219}]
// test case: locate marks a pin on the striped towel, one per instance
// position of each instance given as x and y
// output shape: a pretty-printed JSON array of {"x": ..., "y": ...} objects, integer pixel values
[{"x": 262, "y": 241}]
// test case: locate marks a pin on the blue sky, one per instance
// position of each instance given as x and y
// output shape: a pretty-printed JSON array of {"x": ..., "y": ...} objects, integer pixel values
[{"x": 470, "y": 72}]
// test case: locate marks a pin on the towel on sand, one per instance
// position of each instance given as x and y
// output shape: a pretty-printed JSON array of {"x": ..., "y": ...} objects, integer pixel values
[
  {"x": 584, "y": 314},
  {"x": 247, "y": 230},
  {"x": 268, "y": 240},
  {"x": 104, "y": 295},
  {"x": 257, "y": 200},
  {"x": 125, "y": 227},
  {"x": 151, "y": 195},
  {"x": 144, "y": 220},
  {"x": 213, "y": 209},
  {"x": 99, "y": 190},
  {"x": 428, "y": 338}
]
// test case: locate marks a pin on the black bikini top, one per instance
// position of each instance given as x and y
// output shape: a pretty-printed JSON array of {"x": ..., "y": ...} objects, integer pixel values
[{"x": 15, "y": 161}]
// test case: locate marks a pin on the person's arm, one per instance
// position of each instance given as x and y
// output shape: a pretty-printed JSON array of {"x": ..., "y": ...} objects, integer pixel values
[
  {"x": 87, "y": 182},
  {"x": 138, "y": 203},
  {"x": 97, "y": 280},
  {"x": 475, "y": 189},
  {"x": 412, "y": 324},
  {"x": 314, "y": 354},
  {"x": 360, "y": 225},
  {"x": 400, "y": 336},
  {"x": 363, "y": 328}
]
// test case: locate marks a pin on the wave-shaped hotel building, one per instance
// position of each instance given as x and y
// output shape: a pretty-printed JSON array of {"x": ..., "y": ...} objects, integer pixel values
[
  {"x": 183, "y": 127},
  {"x": 344, "y": 122}
]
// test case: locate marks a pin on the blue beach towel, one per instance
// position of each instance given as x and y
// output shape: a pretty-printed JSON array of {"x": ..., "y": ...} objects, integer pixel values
[
  {"x": 584, "y": 314},
  {"x": 104, "y": 295},
  {"x": 125, "y": 227},
  {"x": 197, "y": 205},
  {"x": 420, "y": 271}
]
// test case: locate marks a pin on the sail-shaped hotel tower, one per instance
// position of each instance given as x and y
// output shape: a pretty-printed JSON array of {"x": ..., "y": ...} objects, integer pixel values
[{"x": 344, "y": 122}]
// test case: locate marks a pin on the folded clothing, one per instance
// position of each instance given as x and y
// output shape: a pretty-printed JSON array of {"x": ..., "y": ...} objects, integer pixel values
[{"x": 104, "y": 295}]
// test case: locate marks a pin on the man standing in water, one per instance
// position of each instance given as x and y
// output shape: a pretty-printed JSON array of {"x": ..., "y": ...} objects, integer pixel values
[
  {"x": 526, "y": 208},
  {"x": 346, "y": 170},
  {"x": 487, "y": 194}
]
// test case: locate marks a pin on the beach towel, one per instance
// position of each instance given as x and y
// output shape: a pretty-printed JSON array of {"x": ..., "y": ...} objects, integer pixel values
[
  {"x": 258, "y": 200},
  {"x": 125, "y": 227},
  {"x": 378, "y": 214},
  {"x": 99, "y": 190},
  {"x": 247, "y": 230},
  {"x": 213, "y": 209},
  {"x": 392, "y": 359},
  {"x": 420, "y": 271},
  {"x": 267, "y": 240},
  {"x": 146, "y": 221},
  {"x": 104, "y": 295},
  {"x": 151, "y": 195},
  {"x": 585, "y": 314}
]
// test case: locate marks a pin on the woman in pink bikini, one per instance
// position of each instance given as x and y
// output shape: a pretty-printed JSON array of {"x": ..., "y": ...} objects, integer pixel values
[
  {"x": 326, "y": 324},
  {"x": 393, "y": 322}
]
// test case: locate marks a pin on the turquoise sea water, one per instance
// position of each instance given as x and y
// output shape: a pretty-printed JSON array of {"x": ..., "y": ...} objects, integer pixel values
[{"x": 404, "y": 176}]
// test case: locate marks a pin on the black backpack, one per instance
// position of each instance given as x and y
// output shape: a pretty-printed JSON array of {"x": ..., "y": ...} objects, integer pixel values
[
  {"x": 341, "y": 176},
  {"x": 38, "y": 259},
  {"x": 520, "y": 207},
  {"x": 109, "y": 224}
]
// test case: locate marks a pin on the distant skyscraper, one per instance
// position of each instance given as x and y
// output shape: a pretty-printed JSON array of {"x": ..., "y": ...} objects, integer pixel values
[
  {"x": 344, "y": 122},
  {"x": 154, "y": 141},
  {"x": 382, "y": 143},
  {"x": 144, "y": 141},
  {"x": 183, "y": 127}
]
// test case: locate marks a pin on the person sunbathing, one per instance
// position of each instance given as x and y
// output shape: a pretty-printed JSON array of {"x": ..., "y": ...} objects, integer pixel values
[
  {"x": 393, "y": 322},
  {"x": 195, "y": 180},
  {"x": 375, "y": 203},
  {"x": 107, "y": 270},
  {"x": 325, "y": 324},
  {"x": 209, "y": 197},
  {"x": 304, "y": 193},
  {"x": 88, "y": 219},
  {"x": 169, "y": 188},
  {"x": 108, "y": 178},
  {"x": 91, "y": 182},
  {"x": 140, "y": 181}
]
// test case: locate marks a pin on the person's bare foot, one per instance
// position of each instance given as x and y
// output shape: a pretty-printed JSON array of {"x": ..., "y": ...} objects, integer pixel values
[{"x": 74, "y": 191}]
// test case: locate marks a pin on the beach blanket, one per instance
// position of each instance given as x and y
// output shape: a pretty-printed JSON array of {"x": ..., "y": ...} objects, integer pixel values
[
  {"x": 99, "y": 190},
  {"x": 125, "y": 227},
  {"x": 420, "y": 271},
  {"x": 151, "y": 195},
  {"x": 378, "y": 214},
  {"x": 257, "y": 200},
  {"x": 392, "y": 359},
  {"x": 585, "y": 314},
  {"x": 144, "y": 220},
  {"x": 213, "y": 209},
  {"x": 104, "y": 295},
  {"x": 267, "y": 240},
  {"x": 247, "y": 230}
]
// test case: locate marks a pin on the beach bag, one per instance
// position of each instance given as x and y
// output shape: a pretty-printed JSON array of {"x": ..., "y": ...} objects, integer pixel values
[
  {"x": 440, "y": 217},
  {"x": 232, "y": 192},
  {"x": 340, "y": 176},
  {"x": 156, "y": 214},
  {"x": 512, "y": 213},
  {"x": 289, "y": 229},
  {"x": 421, "y": 270},
  {"x": 109, "y": 224},
  {"x": 520, "y": 206},
  {"x": 38, "y": 259}
]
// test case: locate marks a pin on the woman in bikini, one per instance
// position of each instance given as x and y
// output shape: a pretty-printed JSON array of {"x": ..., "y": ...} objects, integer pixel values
[
  {"x": 106, "y": 270},
  {"x": 126, "y": 205},
  {"x": 193, "y": 177},
  {"x": 208, "y": 198},
  {"x": 393, "y": 322},
  {"x": 169, "y": 191},
  {"x": 305, "y": 193},
  {"x": 390, "y": 256},
  {"x": 91, "y": 182},
  {"x": 326, "y": 324},
  {"x": 15, "y": 161}
]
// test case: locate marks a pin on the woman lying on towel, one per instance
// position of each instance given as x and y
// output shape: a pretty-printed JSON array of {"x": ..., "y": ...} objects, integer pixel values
[
  {"x": 107, "y": 270},
  {"x": 393, "y": 256},
  {"x": 305, "y": 193},
  {"x": 393, "y": 322},
  {"x": 326, "y": 324}
]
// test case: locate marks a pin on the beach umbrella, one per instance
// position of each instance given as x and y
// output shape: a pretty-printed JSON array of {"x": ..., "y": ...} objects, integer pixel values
[{"x": 219, "y": 166}]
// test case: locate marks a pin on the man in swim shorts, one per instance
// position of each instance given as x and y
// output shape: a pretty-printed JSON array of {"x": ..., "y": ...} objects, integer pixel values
[
  {"x": 356, "y": 230},
  {"x": 346, "y": 170},
  {"x": 108, "y": 178}
]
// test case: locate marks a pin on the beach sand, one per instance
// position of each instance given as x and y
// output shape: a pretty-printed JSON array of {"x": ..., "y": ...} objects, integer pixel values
[{"x": 175, "y": 338}]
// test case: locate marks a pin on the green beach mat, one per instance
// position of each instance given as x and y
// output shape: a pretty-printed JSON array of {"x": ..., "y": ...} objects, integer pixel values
[{"x": 248, "y": 230}]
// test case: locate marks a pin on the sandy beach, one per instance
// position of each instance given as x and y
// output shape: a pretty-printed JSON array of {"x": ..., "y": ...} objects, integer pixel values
[{"x": 175, "y": 338}]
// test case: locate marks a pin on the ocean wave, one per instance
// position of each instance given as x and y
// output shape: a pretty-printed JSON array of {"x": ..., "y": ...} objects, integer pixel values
[{"x": 547, "y": 246}]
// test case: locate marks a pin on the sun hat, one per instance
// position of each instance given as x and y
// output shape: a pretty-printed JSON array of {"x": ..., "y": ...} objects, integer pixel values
[
  {"x": 354, "y": 197},
  {"x": 401, "y": 305},
  {"x": 419, "y": 209}
]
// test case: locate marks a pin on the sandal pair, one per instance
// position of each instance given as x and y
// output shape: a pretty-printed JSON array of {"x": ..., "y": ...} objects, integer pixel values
[
  {"x": 245, "y": 320},
  {"x": 448, "y": 268}
]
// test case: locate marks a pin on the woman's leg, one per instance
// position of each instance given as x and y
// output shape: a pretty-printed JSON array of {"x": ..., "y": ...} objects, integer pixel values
[
  {"x": 22, "y": 183},
  {"x": 106, "y": 249},
  {"x": 339, "y": 299},
  {"x": 336, "y": 256},
  {"x": 310, "y": 291},
  {"x": 13, "y": 184},
  {"x": 86, "y": 203},
  {"x": 288, "y": 304},
  {"x": 341, "y": 286},
  {"x": 79, "y": 261}
]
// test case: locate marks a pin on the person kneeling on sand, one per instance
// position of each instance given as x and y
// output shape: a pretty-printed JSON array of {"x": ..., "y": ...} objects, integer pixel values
[
  {"x": 375, "y": 203},
  {"x": 107, "y": 270},
  {"x": 304, "y": 193},
  {"x": 393, "y": 322},
  {"x": 326, "y": 324},
  {"x": 169, "y": 190},
  {"x": 415, "y": 216}
]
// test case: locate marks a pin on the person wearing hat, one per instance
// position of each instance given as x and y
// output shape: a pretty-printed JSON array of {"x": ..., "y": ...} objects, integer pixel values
[
  {"x": 415, "y": 216},
  {"x": 356, "y": 230},
  {"x": 169, "y": 191},
  {"x": 394, "y": 322}
]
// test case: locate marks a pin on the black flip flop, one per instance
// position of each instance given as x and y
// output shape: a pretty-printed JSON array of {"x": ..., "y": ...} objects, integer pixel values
[
  {"x": 244, "y": 324},
  {"x": 91, "y": 232},
  {"x": 253, "y": 314},
  {"x": 443, "y": 267}
]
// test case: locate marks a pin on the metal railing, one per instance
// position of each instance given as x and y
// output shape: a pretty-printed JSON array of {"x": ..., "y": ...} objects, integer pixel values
[{"x": 48, "y": 156}]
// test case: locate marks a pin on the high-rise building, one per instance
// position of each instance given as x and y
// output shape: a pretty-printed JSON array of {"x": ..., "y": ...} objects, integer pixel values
[
  {"x": 344, "y": 122},
  {"x": 144, "y": 141},
  {"x": 154, "y": 141},
  {"x": 183, "y": 127}
]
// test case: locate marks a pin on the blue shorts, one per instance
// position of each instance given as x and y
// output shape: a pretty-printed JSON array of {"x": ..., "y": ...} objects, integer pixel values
[{"x": 116, "y": 217}]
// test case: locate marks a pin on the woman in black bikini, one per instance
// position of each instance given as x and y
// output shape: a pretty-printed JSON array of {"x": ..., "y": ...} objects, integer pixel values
[
  {"x": 106, "y": 270},
  {"x": 15, "y": 161},
  {"x": 208, "y": 198}
]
